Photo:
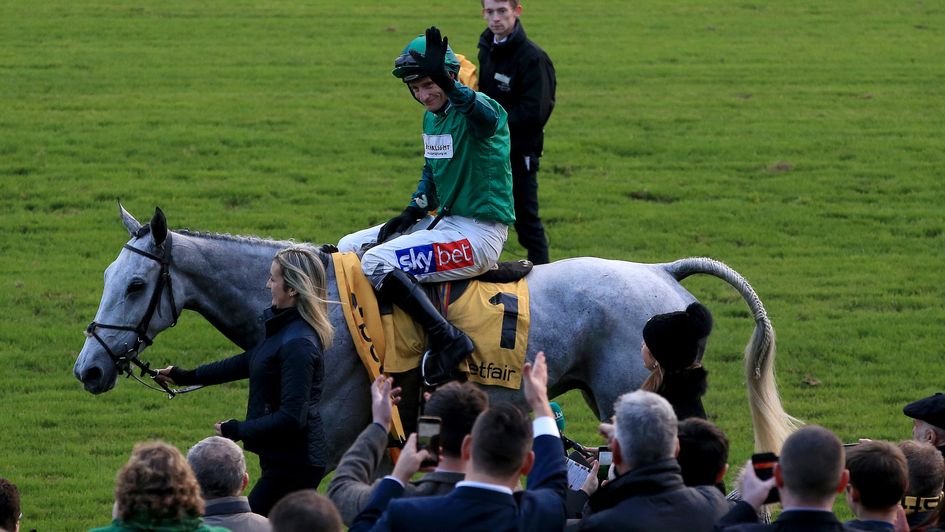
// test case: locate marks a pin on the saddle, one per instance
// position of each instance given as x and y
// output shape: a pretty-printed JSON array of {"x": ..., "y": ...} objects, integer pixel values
[
  {"x": 494, "y": 315},
  {"x": 444, "y": 293}
]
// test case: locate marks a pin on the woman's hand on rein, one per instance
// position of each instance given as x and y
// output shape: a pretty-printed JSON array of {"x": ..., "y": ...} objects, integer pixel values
[{"x": 164, "y": 375}]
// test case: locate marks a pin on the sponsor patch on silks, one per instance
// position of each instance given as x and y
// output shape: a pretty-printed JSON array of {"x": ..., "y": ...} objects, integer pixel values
[
  {"x": 438, "y": 146},
  {"x": 429, "y": 258}
]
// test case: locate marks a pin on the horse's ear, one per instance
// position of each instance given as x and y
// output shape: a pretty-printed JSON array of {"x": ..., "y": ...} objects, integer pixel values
[
  {"x": 131, "y": 224},
  {"x": 158, "y": 227}
]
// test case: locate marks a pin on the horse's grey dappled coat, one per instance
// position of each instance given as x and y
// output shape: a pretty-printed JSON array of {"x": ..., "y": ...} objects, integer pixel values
[{"x": 587, "y": 315}]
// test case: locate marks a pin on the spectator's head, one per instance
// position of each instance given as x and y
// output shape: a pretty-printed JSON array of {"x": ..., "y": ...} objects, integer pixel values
[
  {"x": 928, "y": 419},
  {"x": 9, "y": 505},
  {"x": 878, "y": 477},
  {"x": 645, "y": 430},
  {"x": 303, "y": 511},
  {"x": 926, "y": 476},
  {"x": 811, "y": 471},
  {"x": 157, "y": 483},
  {"x": 219, "y": 466},
  {"x": 458, "y": 406},
  {"x": 500, "y": 444},
  {"x": 675, "y": 340},
  {"x": 703, "y": 452},
  {"x": 501, "y": 15},
  {"x": 298, "y": 279}
]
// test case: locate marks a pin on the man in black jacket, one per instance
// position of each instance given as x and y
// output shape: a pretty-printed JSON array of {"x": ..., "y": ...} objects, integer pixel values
[
  {"x": 518, "y": 74},
  {"x": 458, "y": 405},
  {"x": 648, "y": 493},
  {"x": 808, "y": 478}
]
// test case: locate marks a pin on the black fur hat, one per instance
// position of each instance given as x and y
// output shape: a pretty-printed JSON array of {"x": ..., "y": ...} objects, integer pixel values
[{"x": 677, "y": 338}]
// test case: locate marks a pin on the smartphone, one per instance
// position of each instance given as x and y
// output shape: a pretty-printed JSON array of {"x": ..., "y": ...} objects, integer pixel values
[
  {"x": 763, "y": 464},
  {"x": 428, "y": 437},
  {"x": 605, "y": 457},
  {"x": 578, "y": 470}
]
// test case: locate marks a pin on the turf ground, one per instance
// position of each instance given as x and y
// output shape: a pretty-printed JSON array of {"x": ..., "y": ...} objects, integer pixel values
[{"x": 799, "y": 142}]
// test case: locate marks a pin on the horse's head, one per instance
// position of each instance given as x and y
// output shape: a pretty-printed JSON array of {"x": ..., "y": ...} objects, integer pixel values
[{"x": 137, "y": 303}]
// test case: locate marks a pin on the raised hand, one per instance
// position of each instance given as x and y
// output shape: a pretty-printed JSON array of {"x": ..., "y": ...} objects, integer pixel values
[
  {"x": 410, "y": 460},
  {"x": 535, "y": 385},
  {"x": 433, "y": 61},
  {"x": 383, "y": 397}
]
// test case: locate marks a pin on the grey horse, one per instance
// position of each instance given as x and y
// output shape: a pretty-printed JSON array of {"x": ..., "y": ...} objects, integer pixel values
[{"x": 591, "y": 338}]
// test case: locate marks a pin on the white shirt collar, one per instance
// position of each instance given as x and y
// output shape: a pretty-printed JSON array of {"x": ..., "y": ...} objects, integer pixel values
[{"x": 484, "y": 486}]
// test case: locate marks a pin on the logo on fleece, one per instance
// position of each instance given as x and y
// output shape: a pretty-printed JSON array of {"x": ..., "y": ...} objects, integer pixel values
[
  {"x": 438, "y": 146},
  {"x": 429, "y": 258}
]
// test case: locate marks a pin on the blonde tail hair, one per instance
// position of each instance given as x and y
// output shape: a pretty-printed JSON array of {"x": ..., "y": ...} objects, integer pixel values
[{"x": 303, "y": 271}]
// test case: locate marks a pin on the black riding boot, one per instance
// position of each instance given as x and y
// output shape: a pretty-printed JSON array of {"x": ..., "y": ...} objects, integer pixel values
[{"x": 448, "y": 345}]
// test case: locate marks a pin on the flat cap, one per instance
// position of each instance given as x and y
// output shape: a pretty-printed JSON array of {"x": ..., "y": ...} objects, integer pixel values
[{"x": 931, "y": 410}]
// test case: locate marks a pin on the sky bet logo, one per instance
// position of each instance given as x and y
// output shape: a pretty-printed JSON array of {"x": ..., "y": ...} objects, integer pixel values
[{"x": 431, "y": 258}]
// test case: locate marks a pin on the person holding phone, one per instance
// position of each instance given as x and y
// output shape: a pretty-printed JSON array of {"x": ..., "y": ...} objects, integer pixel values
[
  {"x": 456, "y": 404},
  {"x": 809, "y": 475},
  {"x": 503, "y": 445},
  {"x": 648, "y": 492}
]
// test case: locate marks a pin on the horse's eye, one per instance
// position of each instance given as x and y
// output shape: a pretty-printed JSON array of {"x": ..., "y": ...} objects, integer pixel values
[{"x": 135, "y": 285}]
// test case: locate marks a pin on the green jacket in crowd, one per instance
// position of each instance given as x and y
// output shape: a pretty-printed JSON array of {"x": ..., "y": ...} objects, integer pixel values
[{"x": 193, "y": 524}]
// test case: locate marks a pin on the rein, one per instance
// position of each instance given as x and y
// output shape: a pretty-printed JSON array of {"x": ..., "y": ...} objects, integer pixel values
[{"x": 129, "y": 357}]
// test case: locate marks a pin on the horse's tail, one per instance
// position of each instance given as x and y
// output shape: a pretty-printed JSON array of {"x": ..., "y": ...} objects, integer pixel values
[{"x": 772, "y": 424}]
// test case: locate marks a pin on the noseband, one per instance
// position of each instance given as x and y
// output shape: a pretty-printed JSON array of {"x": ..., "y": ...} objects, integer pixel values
[{"x": 129, "y": 356}]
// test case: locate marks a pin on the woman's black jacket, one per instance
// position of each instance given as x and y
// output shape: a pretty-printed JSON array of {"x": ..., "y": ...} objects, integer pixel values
[{"x": 285, "y": 371}]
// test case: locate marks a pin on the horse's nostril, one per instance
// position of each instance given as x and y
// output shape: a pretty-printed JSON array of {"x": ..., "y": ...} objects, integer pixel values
[{"x": 91, "y": 376}]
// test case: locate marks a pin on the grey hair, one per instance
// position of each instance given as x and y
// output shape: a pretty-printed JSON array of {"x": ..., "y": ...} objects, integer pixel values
[
  {"x": 646, "y": 428},
  {"x": 219, "y": 466}
]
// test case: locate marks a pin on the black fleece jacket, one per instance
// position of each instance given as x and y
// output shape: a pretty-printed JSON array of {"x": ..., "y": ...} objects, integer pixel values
[
  {"x": 653, "y": 497},
  {"x": 520, "y": 76},
  {"x": 285, "y": 371}
]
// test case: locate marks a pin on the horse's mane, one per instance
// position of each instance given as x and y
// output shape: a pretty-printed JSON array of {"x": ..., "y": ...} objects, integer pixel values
[{"x": 242, "y": 239}]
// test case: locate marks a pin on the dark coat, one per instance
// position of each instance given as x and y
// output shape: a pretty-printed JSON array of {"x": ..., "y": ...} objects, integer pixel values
[
  {"x": 539, "y": 507},
  {"x": 684, "y": 390},
  {"x": 870, "y": 526},
  {"x": 742, "y": 518},
  {"x": 520, "y": 76},
  {"x": 654, "y": 497},
  {"x": 285, "y": 371},
  {"x": 350, "y": 489}
]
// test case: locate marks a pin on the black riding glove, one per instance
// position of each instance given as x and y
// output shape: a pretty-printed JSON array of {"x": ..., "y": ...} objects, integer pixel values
[
  {"x": 400, "y": 223},
  {"x": 433, "y": 61}
]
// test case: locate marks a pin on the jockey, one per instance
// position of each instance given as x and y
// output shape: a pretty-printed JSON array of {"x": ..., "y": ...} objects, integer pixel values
[{"x": 466, "y": 177}]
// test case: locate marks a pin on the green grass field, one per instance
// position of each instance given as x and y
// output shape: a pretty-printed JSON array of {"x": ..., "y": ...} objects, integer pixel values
[{"x": 799, "y": 142}]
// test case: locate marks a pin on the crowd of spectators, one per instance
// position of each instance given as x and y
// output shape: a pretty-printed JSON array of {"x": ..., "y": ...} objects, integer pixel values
[{"x": 667, "y": 474}]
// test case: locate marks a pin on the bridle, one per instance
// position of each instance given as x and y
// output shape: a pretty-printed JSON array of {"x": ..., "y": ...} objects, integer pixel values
[{"x": 129, "y": 357}]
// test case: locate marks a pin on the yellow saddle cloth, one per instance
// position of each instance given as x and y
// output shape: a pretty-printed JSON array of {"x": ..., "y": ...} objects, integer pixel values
[{"x": 495, "y": 316}]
